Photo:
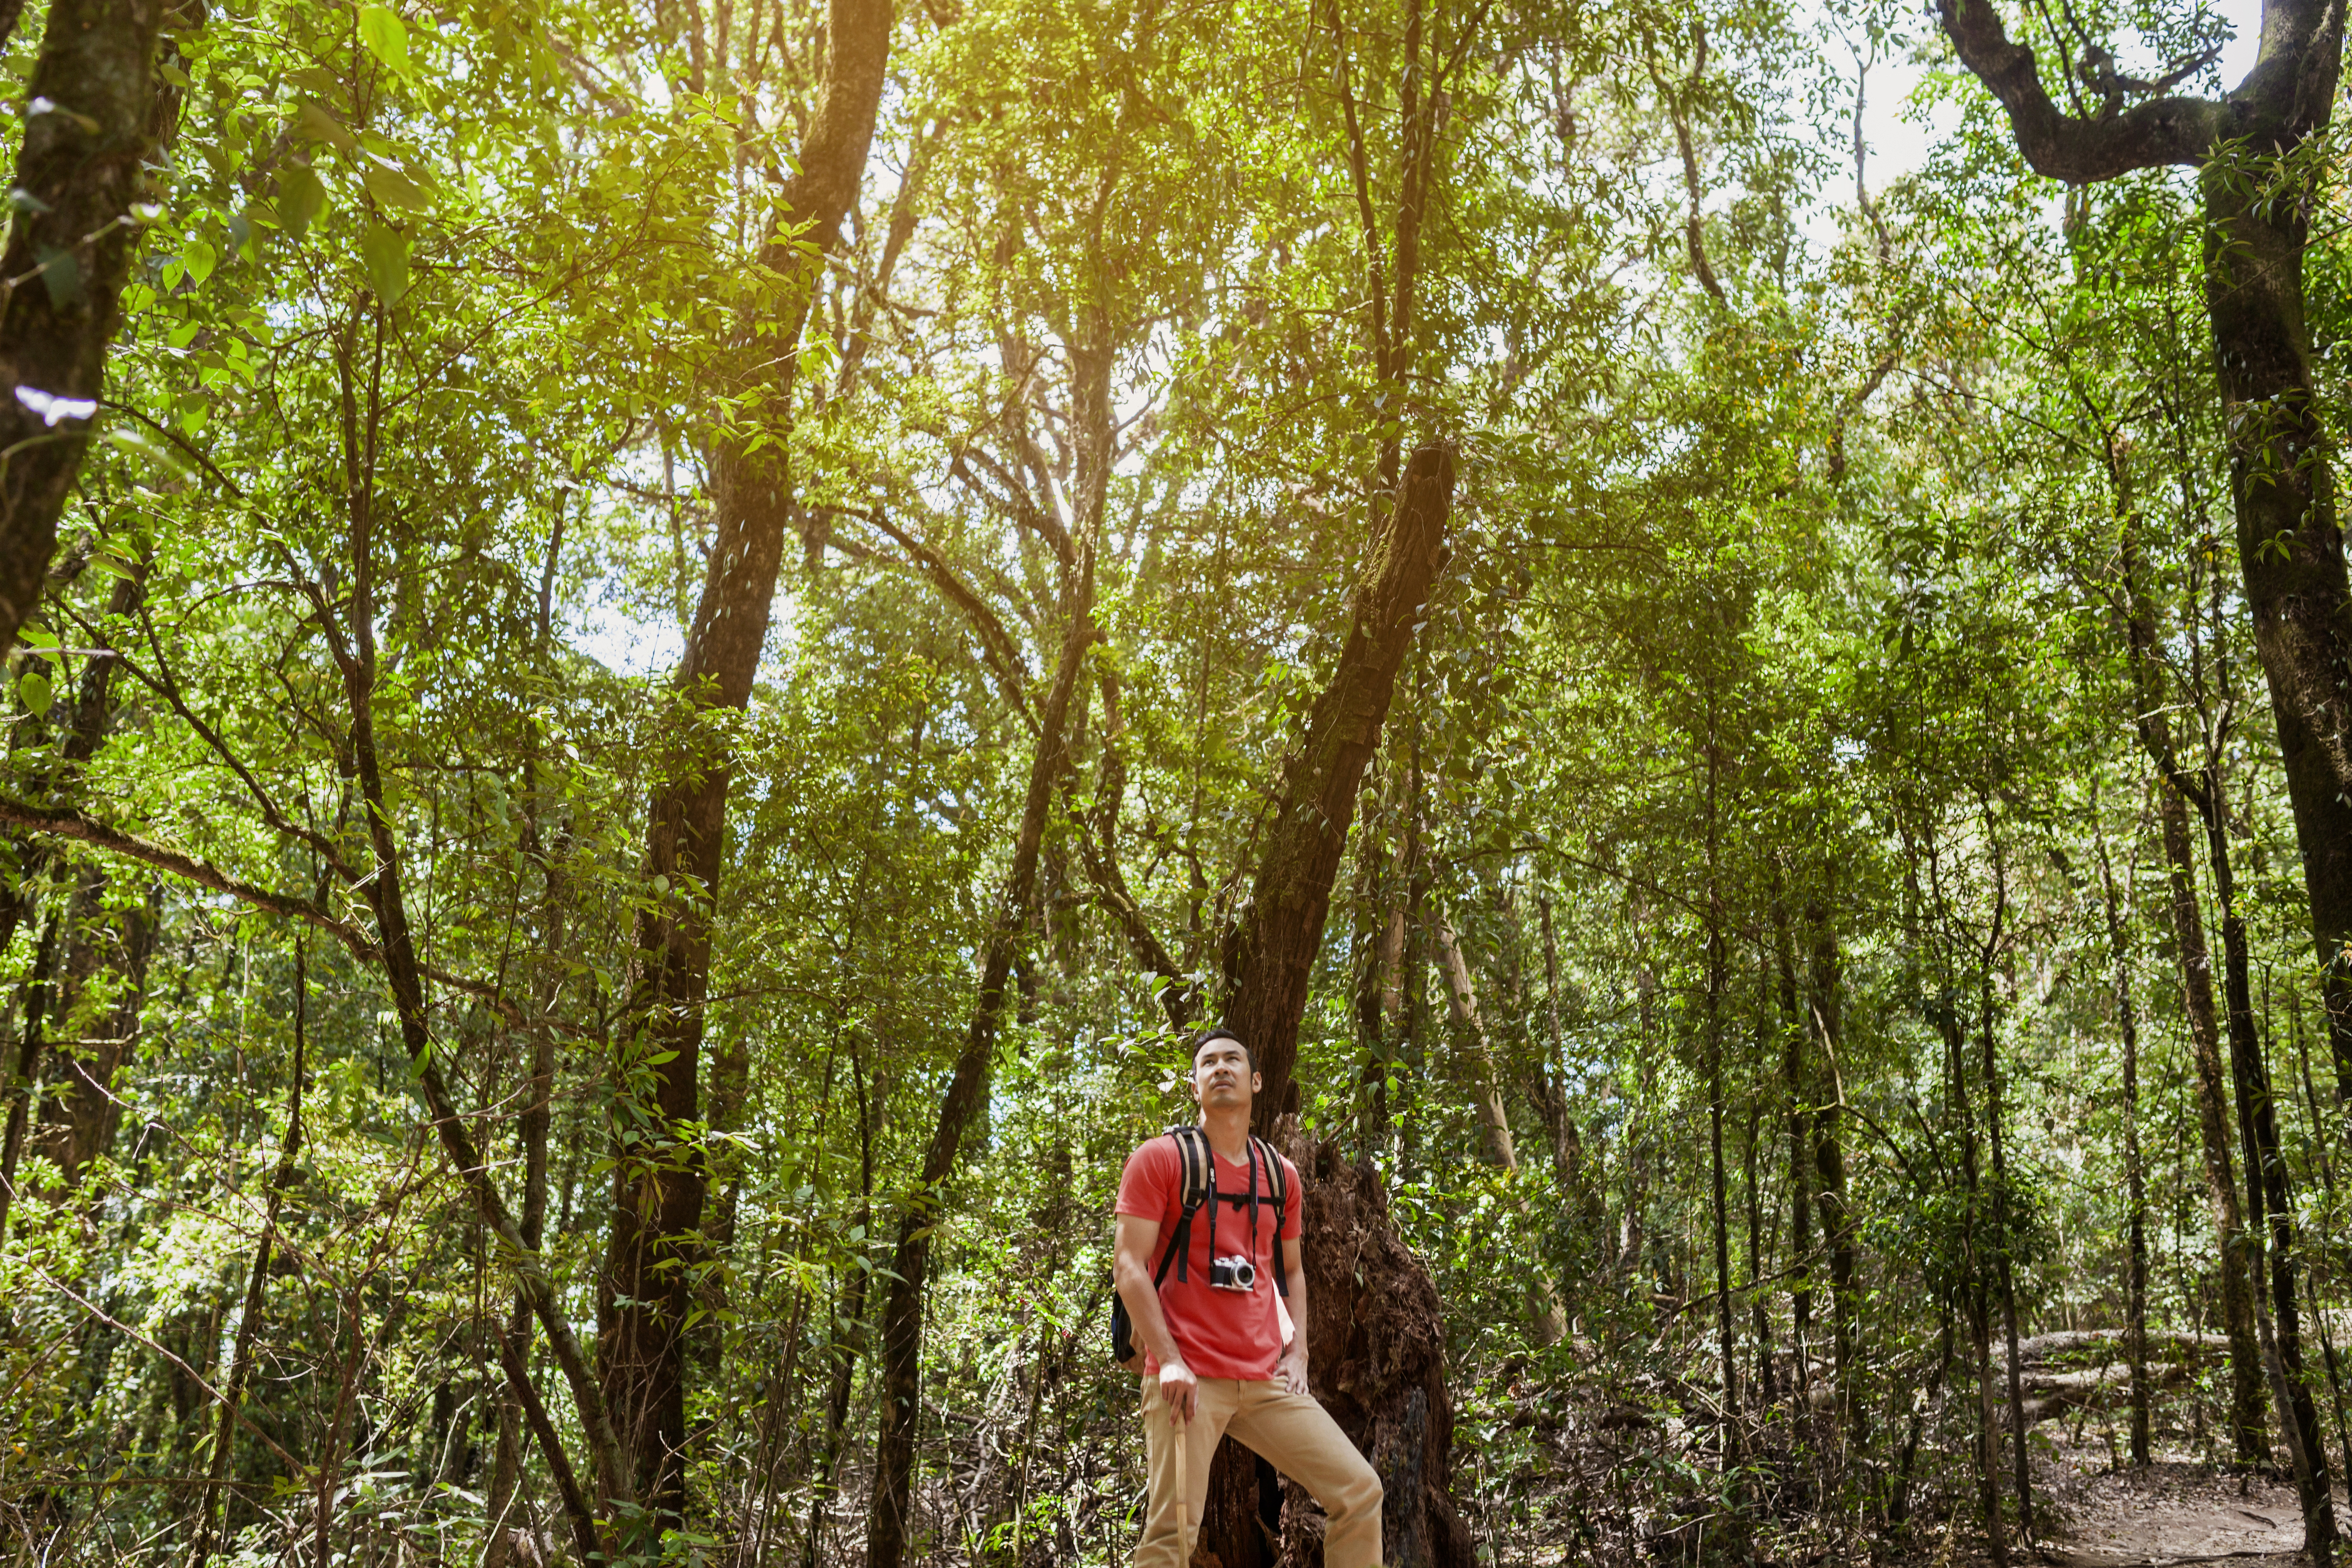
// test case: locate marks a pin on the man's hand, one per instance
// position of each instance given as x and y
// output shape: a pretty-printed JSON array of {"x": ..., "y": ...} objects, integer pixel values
[
  {"x": 1180, "y": 1391},
  {"x": 1291, "y": 1371}
]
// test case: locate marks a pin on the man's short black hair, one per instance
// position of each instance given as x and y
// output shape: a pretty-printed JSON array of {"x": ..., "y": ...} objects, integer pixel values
[{"x": 1219, "y": 1032}]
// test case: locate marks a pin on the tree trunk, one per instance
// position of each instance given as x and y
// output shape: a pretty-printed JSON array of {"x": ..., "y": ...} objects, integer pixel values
[
  {"x": 1371, "y": 1107},
  {"x": 1380, "y": 1000},
  {"x": 80, "y": 167},
  {"x": 1975, "y": 1297},
  {"x": 1801, "y": 1176},
  {"x": 1271, "y": 952},
  {"x": 2004, "y": 1233},
  {"x": 30, "y": 1026},
  {"x": 83, "y": 1112},
  {"x": 2135, "y": 1175},
  {"x": 852, "y": 1342},
  {"x": 660, "y": 1178},
  {"x": 1376, "y": 1351},
  {"x": 1838, "y": 1224},
  {"x": 2289, "y": 544},
  {"x": 1636, "y": 1137},
  {"x": 2267, "y": 1193},
  {"x": 2247, "y": 1427},
  {"x": 1717, "y": 978}
]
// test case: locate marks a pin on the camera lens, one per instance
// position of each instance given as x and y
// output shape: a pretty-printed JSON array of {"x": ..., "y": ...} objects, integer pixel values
[{"x": 1246, "y": 1275}]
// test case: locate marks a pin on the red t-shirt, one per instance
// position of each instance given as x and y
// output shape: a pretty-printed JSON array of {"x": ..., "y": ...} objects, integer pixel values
[{"x": 1222, "y": 1333}]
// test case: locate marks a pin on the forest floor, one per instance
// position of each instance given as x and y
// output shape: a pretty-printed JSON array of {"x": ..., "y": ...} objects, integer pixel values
[{"x": 2171, "y": 1513}]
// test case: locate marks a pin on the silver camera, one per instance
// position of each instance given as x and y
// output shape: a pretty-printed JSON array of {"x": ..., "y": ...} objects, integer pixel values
[{"x": 1234, "y": 1273}]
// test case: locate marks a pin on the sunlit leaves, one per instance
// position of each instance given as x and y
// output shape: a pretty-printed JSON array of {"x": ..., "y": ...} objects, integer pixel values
[
  {"x": 384, "y": 252},
  {"x": 301, "y": 197},
  {"x": 313, "y": 122},
  {"x": 387, "y": 39}
]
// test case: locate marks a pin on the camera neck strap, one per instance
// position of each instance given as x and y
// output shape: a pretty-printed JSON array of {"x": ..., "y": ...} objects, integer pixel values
[{"x": 1213, "y": 1199}]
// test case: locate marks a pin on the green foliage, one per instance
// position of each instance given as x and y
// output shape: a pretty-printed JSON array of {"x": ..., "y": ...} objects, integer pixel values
[{"x": 1761, "y": 745}]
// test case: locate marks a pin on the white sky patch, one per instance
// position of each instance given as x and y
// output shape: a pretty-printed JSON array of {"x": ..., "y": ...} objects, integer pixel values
[{"x": 619, "y": 642}]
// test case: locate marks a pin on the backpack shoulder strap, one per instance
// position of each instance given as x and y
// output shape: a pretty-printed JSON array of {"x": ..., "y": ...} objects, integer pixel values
[
  {"x": 1193, "y": 1158},
  {"x": 1192, "y": 1150},
  {"x": 1279, "y": 1178}
]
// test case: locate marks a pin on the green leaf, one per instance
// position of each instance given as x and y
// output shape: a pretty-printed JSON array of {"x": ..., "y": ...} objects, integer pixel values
[
  {"x": 62, "y": 276},
  {"x": 301, "y": 196},
  {"x": 33, "y": 635},
  {"x": 384, "y": 252},
  {"x": 199, "y": 259},
  {"x": 147, "y": 449},
  {"x": 35, "y": 689},
  {"x": 387, "y": 40},
  {"x": 394, "y": 189},
  {"x": 313, "y": 123}
]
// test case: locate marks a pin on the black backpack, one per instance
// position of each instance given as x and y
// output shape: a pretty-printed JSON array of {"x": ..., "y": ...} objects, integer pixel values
[{"x": 1200, "y": 1175}]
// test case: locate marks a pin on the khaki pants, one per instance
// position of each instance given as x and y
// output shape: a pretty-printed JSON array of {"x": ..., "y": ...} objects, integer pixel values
[{"x": 1290, "y": 1431}]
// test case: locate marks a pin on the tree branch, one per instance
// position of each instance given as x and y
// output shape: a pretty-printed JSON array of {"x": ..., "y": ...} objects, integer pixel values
[
  {"x": 997, "y": 648},
  {"x": 1098, "y": 847},
  {"x": 1678, "y": 110},
  {"x": 513, "y": 1346},
  {"x": 2060, "y": 146},
  {"x": 66, "y": 823},
  {"x": 1359, "y": 176}
]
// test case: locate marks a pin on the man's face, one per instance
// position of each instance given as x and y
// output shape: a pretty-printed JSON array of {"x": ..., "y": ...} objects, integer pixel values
[{"x": 1222, "y": 1077}]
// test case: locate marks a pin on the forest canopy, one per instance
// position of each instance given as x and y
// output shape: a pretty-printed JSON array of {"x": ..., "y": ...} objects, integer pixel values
[{"x": 660, "y": 658}]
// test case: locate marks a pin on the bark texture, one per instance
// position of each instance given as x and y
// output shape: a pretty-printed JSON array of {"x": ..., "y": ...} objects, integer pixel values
[
  {"x": 1376, "y": 1355},
  {"x": 70, "y": 249},
  {"x": 1270, "y": 955}
]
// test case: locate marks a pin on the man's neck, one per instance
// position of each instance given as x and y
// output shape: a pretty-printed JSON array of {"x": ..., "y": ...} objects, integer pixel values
[{"x": 1228, "y": 1130}]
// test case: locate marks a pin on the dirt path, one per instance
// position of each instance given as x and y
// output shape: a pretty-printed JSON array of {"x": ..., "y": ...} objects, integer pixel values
[{"x": 2171, "y": 1514}]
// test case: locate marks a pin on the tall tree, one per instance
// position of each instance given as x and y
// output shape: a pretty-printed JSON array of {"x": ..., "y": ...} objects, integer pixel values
[
  {"x": 1373, "y": 1351},
  {"x": 890, "y": 1520},
  {"x": 661, "y": 1177},
  {"x": 2248, "y": 148}
]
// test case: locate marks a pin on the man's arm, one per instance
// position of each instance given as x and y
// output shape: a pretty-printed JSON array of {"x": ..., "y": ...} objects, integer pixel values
[
  {"x": 1131, "y": 1272},
  {"x": 1293, "y": 1370}
]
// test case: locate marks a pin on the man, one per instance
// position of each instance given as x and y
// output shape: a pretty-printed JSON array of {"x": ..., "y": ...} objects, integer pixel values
[{"x": 1214, "y": 1358}]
